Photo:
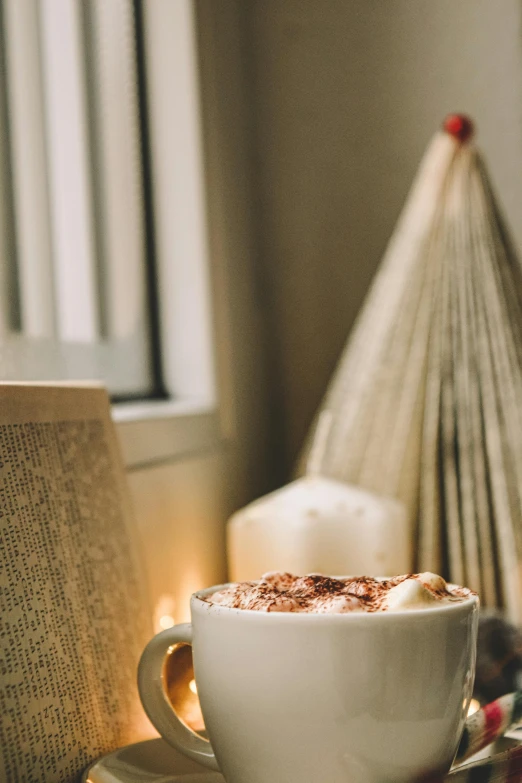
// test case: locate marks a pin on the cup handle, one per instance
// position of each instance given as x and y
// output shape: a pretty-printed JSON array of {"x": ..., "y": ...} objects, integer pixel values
[{"x": 155, "y": 701}]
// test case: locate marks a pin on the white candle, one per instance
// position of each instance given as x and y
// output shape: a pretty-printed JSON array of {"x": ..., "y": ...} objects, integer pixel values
[{"x": 319, "y": 525}]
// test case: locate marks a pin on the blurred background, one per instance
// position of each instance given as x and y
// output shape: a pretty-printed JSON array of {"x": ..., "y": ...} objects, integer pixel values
[{"x": 194, "y": 196}]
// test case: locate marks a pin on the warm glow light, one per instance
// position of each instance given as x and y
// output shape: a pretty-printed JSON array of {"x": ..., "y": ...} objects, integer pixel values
[
  {"x": 193, "y": 687},
  {"x": 474, "y": 706},
  {"x": 165, "y": 615},
  {"x": 166, "y": 621}
]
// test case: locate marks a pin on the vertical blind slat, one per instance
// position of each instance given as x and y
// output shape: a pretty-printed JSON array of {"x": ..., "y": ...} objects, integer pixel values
[
  {"x": 179, "y": 195},
  {"x": 26, "y": 113},
  {"x": 116, "y": 120},
  {"x": 70, "y": 181},
  {"x": 9, "y": 291}
]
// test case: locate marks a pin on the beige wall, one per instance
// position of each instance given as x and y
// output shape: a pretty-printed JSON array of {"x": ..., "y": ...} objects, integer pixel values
[
  {"x": 317, "y": 112},
  {"x": 180, "y": 510},
  {"x": 345, "y": 95}
]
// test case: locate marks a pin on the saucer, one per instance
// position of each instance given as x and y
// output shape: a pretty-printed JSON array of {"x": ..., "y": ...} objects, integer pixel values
[
  {"x": 154, "y": 761},
  {"x": 151, "y": 761}
]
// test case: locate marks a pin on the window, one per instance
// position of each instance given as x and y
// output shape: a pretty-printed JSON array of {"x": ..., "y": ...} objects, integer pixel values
[{"x": 102, "y": 219}]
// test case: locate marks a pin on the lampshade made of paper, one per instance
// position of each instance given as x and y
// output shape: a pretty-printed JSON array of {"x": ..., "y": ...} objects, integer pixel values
[{"x": 426, "y": 403}]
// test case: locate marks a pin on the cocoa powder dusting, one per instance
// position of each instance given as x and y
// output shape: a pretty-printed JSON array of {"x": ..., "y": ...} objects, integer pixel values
[{"x": 316, "y": 593}]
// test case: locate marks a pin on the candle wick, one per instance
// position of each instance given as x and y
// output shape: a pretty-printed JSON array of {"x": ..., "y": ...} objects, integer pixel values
[{"x": 319, "y": 442}]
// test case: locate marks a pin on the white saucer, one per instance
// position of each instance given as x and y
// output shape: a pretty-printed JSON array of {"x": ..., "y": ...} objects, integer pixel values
[{"x": 152, "y": 761}]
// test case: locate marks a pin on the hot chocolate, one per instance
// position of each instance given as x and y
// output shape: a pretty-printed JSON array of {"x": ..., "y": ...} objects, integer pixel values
[
  {"x": 372, "y": 694},
  {"x": 314, "y": 593}
]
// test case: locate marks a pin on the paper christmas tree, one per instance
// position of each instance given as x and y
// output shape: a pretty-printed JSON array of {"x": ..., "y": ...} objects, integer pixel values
[{"x": 426, "y": 404}]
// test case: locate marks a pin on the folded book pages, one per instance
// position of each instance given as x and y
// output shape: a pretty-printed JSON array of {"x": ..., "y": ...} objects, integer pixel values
[
  {"x": 426, "y": 403},
  {"x": 73, "y": 607}
]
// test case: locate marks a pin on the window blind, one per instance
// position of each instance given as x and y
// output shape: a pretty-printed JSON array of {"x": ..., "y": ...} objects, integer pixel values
[{"x": 73, "y": 279}]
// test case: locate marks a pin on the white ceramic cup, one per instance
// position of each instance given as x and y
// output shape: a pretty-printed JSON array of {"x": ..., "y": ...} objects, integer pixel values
[{"x": 302, "y": 698}]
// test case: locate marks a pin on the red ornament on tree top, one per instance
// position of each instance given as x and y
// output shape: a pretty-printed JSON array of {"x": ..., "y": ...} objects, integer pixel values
[{"x": 459, "y": 126}]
